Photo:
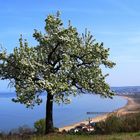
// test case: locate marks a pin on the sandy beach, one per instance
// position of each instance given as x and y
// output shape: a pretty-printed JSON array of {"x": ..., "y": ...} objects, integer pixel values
[{"x": 132, "y": 106}]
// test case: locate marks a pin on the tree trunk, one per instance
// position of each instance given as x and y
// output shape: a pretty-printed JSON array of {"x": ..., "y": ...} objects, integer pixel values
[{"x": 49, "y": 114}]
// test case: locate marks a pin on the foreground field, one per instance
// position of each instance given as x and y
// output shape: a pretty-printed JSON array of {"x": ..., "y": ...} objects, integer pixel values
[
  {"x": 131, "y": 136},
  {"x": 119, "y": 136}
]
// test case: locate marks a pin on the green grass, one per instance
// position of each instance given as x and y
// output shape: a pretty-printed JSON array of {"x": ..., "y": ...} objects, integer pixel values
[
  {"x": 124, "y": 136},
  {"x": 128, "y": 136}
]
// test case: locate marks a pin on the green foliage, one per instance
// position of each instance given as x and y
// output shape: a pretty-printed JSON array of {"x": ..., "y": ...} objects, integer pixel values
[
  {"x": 89, "y": 137},
  {"x": 111, "y": 125},
  {"x": 131, "y": 123},
  {"x": 114, "y": 124},
  {"x": 62, "y": 62},
  {"x": 40, "y": 126}
]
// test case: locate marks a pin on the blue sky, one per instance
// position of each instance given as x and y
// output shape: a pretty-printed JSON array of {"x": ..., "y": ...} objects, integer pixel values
[{"x": 114, "y": 22}]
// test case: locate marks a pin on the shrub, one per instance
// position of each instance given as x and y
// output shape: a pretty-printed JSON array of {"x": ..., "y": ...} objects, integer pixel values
[
  {"x": 131, "y": 123},
  {"x": 111, "y": 125},
  {"x": 40, "y": 127},
  {"x": 22, "y": 130},
  {"x": 114, "y": 124}
]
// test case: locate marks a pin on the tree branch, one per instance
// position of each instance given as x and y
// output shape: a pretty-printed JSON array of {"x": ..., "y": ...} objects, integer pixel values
[{"x": 51, "y": 53}]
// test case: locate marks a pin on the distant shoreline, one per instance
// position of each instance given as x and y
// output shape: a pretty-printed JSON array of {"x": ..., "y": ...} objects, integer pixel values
[{"x": 132, "y": 106}]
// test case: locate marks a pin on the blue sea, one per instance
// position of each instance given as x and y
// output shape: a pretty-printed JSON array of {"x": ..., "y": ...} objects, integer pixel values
[{"x": 14, "y": 115}]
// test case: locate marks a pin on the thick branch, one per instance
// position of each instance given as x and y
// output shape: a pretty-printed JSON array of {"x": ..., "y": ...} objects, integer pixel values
[{"x": 51, "y": 53}]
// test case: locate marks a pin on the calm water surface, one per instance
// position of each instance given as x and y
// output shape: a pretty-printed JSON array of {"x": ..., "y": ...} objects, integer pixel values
[{"x": 13, "y": 115}]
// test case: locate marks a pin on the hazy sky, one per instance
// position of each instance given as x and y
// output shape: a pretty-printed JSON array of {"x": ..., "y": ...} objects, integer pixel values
[{"x": 114, "y": 22}]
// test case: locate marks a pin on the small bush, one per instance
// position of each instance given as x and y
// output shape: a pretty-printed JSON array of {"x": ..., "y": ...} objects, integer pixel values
[
  {"x": 22, "y": 130},
  {"x": 40, "y": 127}
]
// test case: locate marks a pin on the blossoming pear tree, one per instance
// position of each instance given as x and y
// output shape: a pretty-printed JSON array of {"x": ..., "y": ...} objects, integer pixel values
[{"x": 63, "y": 63}]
